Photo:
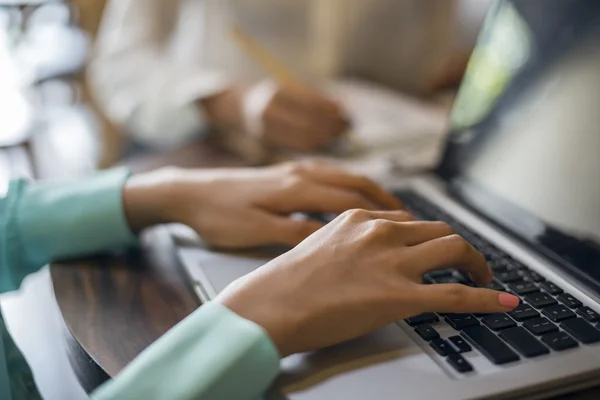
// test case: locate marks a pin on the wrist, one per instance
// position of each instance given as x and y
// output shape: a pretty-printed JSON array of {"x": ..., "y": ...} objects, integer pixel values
[
  {"x": 148, "y": 198},
  {"x": 224, "y": 109},
  {"x": 281, "y": 321}
]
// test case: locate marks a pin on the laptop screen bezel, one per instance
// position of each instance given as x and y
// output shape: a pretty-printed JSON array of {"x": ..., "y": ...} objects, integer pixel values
[{"x": 508, "y": 217}]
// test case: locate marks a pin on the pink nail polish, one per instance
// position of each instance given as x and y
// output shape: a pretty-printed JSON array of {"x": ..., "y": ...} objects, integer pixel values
[{"x": 508, "y": 300}]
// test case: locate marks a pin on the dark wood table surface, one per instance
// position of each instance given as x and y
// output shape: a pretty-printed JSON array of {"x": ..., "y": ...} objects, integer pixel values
[{"x": 115, "y": 306}]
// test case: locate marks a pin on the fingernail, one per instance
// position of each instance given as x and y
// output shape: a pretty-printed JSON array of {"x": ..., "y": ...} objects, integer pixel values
[{"x": 508, "y": 300}]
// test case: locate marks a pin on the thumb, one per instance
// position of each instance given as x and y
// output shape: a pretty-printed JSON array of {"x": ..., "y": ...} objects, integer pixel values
[
  {"x": 457, "y": 298},
  {"x": 290, "y": 231}
]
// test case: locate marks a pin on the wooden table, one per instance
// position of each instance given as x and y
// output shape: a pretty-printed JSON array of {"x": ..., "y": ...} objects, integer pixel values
[{"x": 115, "y": 306}]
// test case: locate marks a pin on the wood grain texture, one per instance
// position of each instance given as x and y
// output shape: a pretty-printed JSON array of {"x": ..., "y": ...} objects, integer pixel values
[{"x": 115, "y": 306}]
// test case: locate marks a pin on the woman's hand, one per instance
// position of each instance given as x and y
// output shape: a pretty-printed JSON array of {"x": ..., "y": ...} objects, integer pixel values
[
  {"x": 293, "y": 117},
  {"x": 362, "y": 271},
  {"x": 250, "y": 207}
]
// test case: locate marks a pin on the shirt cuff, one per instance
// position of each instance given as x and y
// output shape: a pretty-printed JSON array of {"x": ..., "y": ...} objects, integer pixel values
[
  {"x": 68, "y": 219},
  {"x": 212, "y": 354}
]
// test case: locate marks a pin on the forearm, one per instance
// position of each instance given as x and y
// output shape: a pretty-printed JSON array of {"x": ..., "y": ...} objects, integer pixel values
[{"x": 212, "y": 354}]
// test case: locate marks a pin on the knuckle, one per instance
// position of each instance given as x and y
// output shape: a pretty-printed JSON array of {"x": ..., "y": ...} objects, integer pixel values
[
  {"x": 444, "y": 228},
  {"x": 459, "y": 245},
  {"x": 385, "y": 224},
  {"x": 378, "y": 229},
  {"x": 293, "y": 183},
  {"x": 406, "y": 216},
  {"x": 356, "y": 215},
  {"x": 385, "y": 227}
]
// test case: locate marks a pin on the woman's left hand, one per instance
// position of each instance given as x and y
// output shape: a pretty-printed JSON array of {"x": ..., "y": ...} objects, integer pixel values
[{"x": 250, "y": 207}]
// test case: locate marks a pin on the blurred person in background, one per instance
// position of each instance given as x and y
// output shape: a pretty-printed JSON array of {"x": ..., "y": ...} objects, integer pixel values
[{"x": 166, "y": 71}]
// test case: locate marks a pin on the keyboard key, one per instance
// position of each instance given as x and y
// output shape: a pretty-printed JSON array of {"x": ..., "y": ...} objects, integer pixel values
[
  {"x": 442, "y": 347},
  {"x": 498, "y": 321},
  {"x": 459, "y": 363},
  {"x": 461, "y": 321},
  {"x": 581, "y": 330},
  {"x": 447, "y": 279},
  {"x": 508, "y": 276},
  {"x": 499, "y": 265},
  {"x": 518, "y": 265},
  {"x": 523, "y": 312},
  {"x": 569, "y": 300},
  {"x": 427, "y": 332},
  {"x": 459, "y": 228},
  {"x": 427, "y": 318},
  {"x": 588, "y": 314},
  {"x": 523, "y": 287},
  {"x": 540, "y": 300},
  {"x": 463, "y": 279},
  {"x": 558, "y": 313},
  {"x": 532, "y": 275},
  {"x": 439, "y": 273},
  {"x": 460, "y": 344},
  {"x": 551, "y": 288},
  {"x": 540, "y": 326},
  {"x": 490, "y": 345},
  {"x": 559, "y": 341},
  {"x": 523, "y": 342},
  {"x": 489, "y": 257}
]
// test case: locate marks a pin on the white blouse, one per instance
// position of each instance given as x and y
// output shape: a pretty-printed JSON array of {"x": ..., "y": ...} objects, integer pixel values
[{"x": 155, "y": 58}]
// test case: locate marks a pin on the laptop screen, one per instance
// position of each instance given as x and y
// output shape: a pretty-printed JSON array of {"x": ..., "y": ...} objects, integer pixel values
[{"x": 524, "y": 148}]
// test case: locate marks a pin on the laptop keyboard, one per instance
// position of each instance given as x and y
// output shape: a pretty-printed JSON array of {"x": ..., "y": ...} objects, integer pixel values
[{"x": 547, "y": 320}]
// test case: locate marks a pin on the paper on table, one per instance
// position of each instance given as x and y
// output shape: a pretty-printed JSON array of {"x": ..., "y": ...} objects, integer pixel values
[{"x": 388, "y": 128}]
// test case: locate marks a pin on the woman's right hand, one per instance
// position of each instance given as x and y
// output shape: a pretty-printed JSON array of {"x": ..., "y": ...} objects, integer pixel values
[
  {"x": 291, "y": 117},
  {"x": 360, "y": 272}
]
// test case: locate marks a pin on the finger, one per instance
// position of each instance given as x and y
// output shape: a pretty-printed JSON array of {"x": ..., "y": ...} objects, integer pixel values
[
  {"x": 418, "y": 232},
  {"x": 317, "y": 107},
  {"x": 323, "y": 173},
  {"x": 288, "y": 231},
  {"x": 457, "y": 298},
  {"x": 313, "y": 197},
  {"x": 312, "y": 100},
  {"x": 449, "y": 252},
  {"x": 296, "y": 130},
  {"x": 393, "y": 216}
]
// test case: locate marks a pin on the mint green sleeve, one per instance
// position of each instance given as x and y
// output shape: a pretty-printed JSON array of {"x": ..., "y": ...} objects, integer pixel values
[
  {"x": 213, "y": 354},
  {"x": 41, "y": 222}
]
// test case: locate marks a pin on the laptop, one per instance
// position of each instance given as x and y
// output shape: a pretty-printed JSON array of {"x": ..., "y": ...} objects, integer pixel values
[{"x": 519, "y": 179}]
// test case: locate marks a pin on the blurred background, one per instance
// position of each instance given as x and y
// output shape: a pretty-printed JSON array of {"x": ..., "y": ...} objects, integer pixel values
[{"x": 87, "y": 84}]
